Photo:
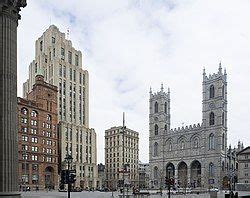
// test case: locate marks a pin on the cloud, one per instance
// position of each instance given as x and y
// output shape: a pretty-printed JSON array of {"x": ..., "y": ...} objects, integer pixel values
[{"x": 129, "y": 46}]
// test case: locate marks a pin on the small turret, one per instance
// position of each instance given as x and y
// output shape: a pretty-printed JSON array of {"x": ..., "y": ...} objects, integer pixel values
[
  {"x": 162, "y": 89},
  {"x": 220, "y": 69}
]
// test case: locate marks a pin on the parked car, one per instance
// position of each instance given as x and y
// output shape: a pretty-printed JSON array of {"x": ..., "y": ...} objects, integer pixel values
[
  {"x": 214, "y": 189},
  {"x": 26, "y": 188}
]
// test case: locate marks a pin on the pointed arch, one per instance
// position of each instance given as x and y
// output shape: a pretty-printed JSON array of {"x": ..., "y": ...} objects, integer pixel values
[
  {"x": 24, "y": 111},
  {"x": 211, "y": 91},
  {"x": 155, "y": 151},
  {"x": 211, "y": 118},
  {"x": 156, "y": 129},
  {"x": 156, "y": 107},
  {"x": 211, "y": 141},
  {"x": 156, "y": 175}
]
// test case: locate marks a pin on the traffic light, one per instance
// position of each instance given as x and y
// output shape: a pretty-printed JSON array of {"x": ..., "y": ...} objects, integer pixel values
[
  {"x": 64, "y": 176},
  {"x": 72, "y": 178}
]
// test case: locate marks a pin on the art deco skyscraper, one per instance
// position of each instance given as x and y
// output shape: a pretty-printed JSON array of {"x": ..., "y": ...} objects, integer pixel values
[{"x": 62, "y": 67}]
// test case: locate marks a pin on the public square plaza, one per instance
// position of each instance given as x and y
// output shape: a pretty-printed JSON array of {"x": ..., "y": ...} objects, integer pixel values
[{"x": 97, "y": 194}]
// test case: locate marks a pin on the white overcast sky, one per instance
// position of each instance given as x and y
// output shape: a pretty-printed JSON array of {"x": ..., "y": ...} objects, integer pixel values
[{"x": 130, "y": 45}]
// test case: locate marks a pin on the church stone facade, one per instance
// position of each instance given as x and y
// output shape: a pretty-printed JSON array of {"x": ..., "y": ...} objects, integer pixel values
[{"x": 194, "y": 156}]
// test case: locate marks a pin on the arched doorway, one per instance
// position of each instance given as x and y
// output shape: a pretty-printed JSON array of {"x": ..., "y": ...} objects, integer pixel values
[
  {"x": 49, "y": 177},
  {"x": 170, "y": 169},
  {"x": 182, "y": 175},
  {"x": 195, "y": 174}
]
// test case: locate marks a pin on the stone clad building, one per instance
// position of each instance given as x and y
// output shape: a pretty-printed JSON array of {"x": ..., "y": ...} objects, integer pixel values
[
  {"x": 114, "y": 157},
  {"x": 61, "y": 64},
  {"x": 38, "y": 137},
  {"x": 195, "y": 156}
]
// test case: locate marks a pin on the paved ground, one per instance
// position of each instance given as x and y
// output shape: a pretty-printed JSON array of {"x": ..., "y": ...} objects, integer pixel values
[{"x": 97, "y": 194}]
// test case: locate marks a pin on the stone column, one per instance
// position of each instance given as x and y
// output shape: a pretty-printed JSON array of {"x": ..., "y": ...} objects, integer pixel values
[{"x": 9, "y": 16}]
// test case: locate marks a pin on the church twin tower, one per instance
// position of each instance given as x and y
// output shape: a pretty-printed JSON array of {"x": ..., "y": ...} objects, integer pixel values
[{"x": 194, "y": 155}]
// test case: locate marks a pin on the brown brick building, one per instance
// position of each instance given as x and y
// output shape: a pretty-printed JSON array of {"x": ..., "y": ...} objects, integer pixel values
[{"x": 38, "y": 137}]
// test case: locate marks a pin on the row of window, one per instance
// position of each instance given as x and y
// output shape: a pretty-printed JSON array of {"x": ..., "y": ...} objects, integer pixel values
[
  {"x": 35, "y": 158},
  {"x": 25, "y": 111},
  {"x": 195, "y": 144},
  {"x": 35, "y": 140}
]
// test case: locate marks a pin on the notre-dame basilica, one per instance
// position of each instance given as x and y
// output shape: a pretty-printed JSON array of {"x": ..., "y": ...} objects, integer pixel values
[{"x": 196, "y": 155}]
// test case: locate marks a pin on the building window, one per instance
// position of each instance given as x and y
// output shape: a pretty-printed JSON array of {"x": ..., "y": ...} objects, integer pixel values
[
  {"x": 24, "y": 147},
  {"x": 211, "y": 91},
  {"x": 155, "y": 172},
  {"x": 182, "y": 146},
  {"x": 24, "y": 120},
  {"x": 54, "y": 52},
  {"x": 70, "y": 73},
  {"x": 74, "y": 75},
  {"x": 34, "y": 179},
  {"x": 41, "y": 45},
  {"x": 60, "y": 70},
  {"x": 24, "y": 138},
  {"x": 24, "y": 156},
  {"x": 76, "y": 60},
  {"x": 246, "y": 165},
  {"x": 156, "y": 107},
  {"x": 196, "y": 143},
  {"x": 64, "y": 71},
  {"x": 62, "y": 53},
  {"x": 155, "y": 151},
  {"x": 156, "y": 129},
  {"x": 70, "y": 57},
  {"x": 211, "y": 169},
  {"x": 34, "y": 148},
  {"x": 165, "y": 107},
  {"x": 24, "y": 129},
  {"x": 170, "y": 146},
  {"x": 211, "y": 118},
  {"x": 25, "y": 178},
  {"x": 53, "y": 40},
  {"x": 48, "y": 117},
  {"x": 35, "y": 167},
  {"x": 33, "y": 123},
  {"x": 33, "y": 113},
  {"x": 34, "y": 139},
  {"x": 211, "y": 141},
  {"x": 24, "y": 111}
]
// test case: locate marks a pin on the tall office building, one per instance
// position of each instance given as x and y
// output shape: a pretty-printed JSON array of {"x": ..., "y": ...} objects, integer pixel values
[
  {"x": 115, "y": 161},
  {"x": 61, "y": 64}
]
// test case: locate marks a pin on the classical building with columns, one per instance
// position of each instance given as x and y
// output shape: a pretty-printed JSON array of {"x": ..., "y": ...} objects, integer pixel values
[
  {"x": 195, "y": 156},
  {"x": 61, "y": 65}
]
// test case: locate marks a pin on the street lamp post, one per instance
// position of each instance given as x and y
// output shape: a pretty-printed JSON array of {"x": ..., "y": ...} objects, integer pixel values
[{"x": 69, "y": 160}]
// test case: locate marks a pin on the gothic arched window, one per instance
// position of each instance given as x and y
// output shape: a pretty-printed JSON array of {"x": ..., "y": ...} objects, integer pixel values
[
  {"x": 196, "y": 143},
  {"x": 223, "y": 141},
  {"x": 155, "y": 172},
  {"x": 165, "y": 107},
  {"x": 156, "y": 129},
  {"x": 211, "y": 141},
  {"x": 211, "y": 118},
  {"x": 155, "y": 149},
  {"x": 170, "y": 147},
  {"x": 182, "y": 144},
  {"x": 211, "y": 91},
  {"x": 211, "y": 169},
  {"x": 156, "y": 107}
]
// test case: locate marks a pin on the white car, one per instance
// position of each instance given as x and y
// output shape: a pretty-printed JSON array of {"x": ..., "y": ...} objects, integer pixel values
[{"x": 214, "y": 190}]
